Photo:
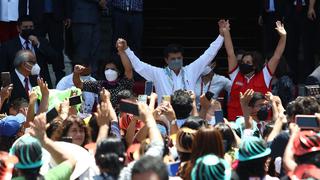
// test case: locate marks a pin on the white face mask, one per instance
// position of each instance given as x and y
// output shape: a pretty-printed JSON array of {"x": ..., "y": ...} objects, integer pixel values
[
  {"x": 206, "y": 70},
  {"x": 111, "y": 75},
  {"x": 35, "y": 70}
]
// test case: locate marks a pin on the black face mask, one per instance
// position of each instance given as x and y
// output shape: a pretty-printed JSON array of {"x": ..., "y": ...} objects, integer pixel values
[
  {"x": 245, "y": 68},
  {"x": 25, "y": 33},
  {"x": 262, "y": 114}
]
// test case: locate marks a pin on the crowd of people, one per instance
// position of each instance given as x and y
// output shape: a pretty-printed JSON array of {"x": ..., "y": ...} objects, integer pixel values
[{"x": 195, "y": 124}]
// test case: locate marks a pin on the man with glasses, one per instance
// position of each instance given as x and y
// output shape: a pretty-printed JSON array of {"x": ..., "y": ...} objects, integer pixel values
[{"x": 28, "y": 41}]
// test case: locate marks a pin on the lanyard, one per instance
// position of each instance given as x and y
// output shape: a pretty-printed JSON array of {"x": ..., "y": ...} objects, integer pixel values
[
  {"x": 201, "y": 92},
  {"x": 168, "y": 73}
]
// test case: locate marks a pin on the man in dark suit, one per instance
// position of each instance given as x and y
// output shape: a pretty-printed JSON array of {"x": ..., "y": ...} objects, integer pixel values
[
  {"x": 86, "y": 32},
  {"x": 50, "y": 17},
  {"x": 22, "y": 76},
  {"x": 26, "y": 40}
]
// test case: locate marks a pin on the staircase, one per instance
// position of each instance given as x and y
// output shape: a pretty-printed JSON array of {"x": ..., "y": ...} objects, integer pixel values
[{"x": 193, "y": 24}]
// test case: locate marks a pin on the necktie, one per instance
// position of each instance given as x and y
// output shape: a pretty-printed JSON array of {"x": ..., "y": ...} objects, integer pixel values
[
  {"x": 298, "y": 5},
  {"x": 27, "y": 45},
  {"x": 26, "y": 85}
]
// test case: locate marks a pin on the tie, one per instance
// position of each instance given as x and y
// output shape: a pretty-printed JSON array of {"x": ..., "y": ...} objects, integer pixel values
[
  {"x": 26, "y": 85},
  {"x": 27, "y": 45},
  {"x": 298, "y": 5}
]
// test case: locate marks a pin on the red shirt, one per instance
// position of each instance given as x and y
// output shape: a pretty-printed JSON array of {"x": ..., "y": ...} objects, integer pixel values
[{"x": 259, "y": 82}]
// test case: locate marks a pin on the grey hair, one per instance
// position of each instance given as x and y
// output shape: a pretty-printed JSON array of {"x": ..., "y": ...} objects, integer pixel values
[{"x": 22, "y": 56}]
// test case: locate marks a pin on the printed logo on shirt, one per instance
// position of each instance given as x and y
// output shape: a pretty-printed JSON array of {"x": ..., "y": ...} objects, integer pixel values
[{"x": 239, "y": 83}]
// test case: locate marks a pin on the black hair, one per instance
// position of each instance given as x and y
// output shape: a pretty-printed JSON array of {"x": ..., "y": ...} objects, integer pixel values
[
  {"x": 110, "y": 155},
  {"x": 151, "y": 164},
  {"x": 305, "y": 105},
  {"x": 23, "y": 19},
  {"x": 309, "y": 158},
  {"x": 93, "y": 128},
  {"x": 32, "y": 174},
  {"x": 252, "y": 168},
  {"x": 256, "y": 97},
  {"x": 18, "y": 103},
  {"x": 257, "y": 59},
  {"x": 227, "y": 135},
  {"x": 125, "y": 94},
  {"x": 172, "y": 48},
  {"x": 194, "y": 122},
  {"x": 114, "y": 58},
  {"x": 181, "y": 103}
]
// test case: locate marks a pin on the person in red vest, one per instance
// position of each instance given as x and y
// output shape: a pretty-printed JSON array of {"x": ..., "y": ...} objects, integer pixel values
[{"x": 251, "y": 72}]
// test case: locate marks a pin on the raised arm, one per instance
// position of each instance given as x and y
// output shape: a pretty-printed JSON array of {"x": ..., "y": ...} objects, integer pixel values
[
  {"x": 38, "y": 130},
  {"x": 232, "y": 60},
  {"x": 244, "y": 101},
  {"x": 274, "y": 61},
  {"x": 145, "y": 70},
  {"x": 121, "y": 44},
  {"x": 199, "y": 64},
  {"x": 78, "y": 69},
  {"x": 44, "y": 103}
]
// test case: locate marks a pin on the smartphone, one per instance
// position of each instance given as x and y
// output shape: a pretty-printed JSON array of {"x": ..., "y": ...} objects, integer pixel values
[
  {"x": 129, "y": 107},
  {"x": 209, "y": 95},
  {"x": 218, "y": 116},
  {"x": 148, "y": 88},
  {"x": 143, "y": 98},
  {"x": 173, "y": 168},
  {"x": 307, "y": 121},
  {"x": 75, "y": 100},
  {"x": 166, "y": 98},
  {"x": 53, "y": 113},
  {"x": 5, "y": 79},
  {"x": 66, "y": 139}
]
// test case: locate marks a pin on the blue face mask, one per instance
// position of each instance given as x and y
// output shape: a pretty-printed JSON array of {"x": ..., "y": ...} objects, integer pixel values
[{"x": 175, "y": 64}]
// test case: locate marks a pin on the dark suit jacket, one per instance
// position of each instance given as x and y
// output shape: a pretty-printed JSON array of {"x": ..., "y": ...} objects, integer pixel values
[
  {"x": 45, "y": 54},
  {"x": 85, "y": 11},
  {"x": 18, "y": 88},
  {"x": 61, "y": 9}
]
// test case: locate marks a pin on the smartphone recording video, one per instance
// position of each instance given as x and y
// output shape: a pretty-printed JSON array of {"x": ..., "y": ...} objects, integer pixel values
[
  {"x": 307, "y": 121},
  {"x": 5, "y": 79},
  {"x": 148, "y": 88}
]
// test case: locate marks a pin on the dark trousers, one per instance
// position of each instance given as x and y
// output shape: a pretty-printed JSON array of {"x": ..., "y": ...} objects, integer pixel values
[
  {"x": 129, "y": 26},
  {"x": 270, "y": 35},
  {"x": 300, "y": 33},
  {"x": 86, "y": 42},
  {"x": 55, "y": 30}
]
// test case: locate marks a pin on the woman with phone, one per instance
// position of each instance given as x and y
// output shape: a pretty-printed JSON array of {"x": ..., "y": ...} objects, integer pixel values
[{"x": 114, "y": 81}]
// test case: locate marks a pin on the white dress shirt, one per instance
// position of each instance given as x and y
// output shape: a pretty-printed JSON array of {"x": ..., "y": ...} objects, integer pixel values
[
  {"x": 21, "y": 78},
  {"x": 165, "y": 80},
  {"x": 9, "y": 10},
  {"x": 23, "y": 43},
  {"x": 89, "y": 98}
]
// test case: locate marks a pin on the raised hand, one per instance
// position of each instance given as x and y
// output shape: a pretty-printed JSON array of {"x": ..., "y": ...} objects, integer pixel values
[
  {"x": 102, "y": 114},
  {"x": 32, "y": 97},
  {"x": 105, "y": 95},
  {"x": 43, "y": 87},
  {"x": 280, "y": 29},
  {"x": 38, "y": 127},
  {"x": 5, "y": 92},
  {"x": 246, "y": 97},
  {"x": 78, "y": 69},
  {"x": 121, "y": 45}
]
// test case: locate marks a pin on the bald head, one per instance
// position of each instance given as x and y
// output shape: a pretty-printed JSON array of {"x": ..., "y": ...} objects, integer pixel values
[{"x": 24, "y": 56}]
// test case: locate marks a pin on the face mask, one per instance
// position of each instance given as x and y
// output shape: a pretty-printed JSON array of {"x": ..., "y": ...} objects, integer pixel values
[
  {"x": 206, "y": 71},
  {"x": 111, "y": 75},
  {"x": 245, "y": 68},
  {"x": 25, "y": 33},
  {"x": 175, "y": 64},
  {"x": 35, "y": 70},
  {"x": 262, "y": 114}
]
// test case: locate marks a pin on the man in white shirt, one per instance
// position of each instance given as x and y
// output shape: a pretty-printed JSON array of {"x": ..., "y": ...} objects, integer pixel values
[
  {"x": 8, "y": 19},
  {"x": 174, "y": 76},
  {"x": 89, "y": 98}
]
